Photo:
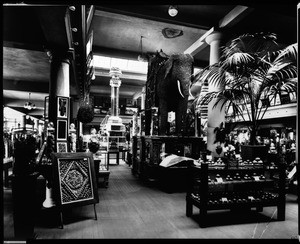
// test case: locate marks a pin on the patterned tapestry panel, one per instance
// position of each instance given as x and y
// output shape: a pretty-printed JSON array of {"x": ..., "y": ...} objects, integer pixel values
[{"x": 75, "y": 180}]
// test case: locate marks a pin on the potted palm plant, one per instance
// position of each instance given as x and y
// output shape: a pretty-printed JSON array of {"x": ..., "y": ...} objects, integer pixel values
[{"x": 252, "y": 69}]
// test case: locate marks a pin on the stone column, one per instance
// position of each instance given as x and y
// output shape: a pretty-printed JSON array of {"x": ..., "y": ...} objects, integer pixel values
[
  {"x": 143, "y": 98},
  {"x": 59, "y": 86},
  {"x": 215, "y": 115},
  {"x": 59, "y": 81}
]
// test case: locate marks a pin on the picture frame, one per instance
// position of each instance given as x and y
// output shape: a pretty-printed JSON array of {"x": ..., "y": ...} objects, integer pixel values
[
  {"x": 62, "y": 130},
  {"x": 129, "y": 102},
  {"x": 46, "y": 108},
  {"x": 62, "y": 147},
  {"x": 131, "y": 110},
  {"x": 74, "y": 179},
  {"x": 62, "y": 107}
]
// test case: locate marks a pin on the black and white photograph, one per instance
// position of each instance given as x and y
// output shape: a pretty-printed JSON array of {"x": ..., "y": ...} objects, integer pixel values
[
  {"x": 62, "y": 107},
  {"x": 62, "y": 130},
  {"x": 191, "y": 107}
]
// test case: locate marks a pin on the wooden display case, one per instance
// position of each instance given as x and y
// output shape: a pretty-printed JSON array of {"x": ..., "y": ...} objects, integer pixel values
[
  {"x": 147, "y": 151},
  {"x": 234, "y": 188}
]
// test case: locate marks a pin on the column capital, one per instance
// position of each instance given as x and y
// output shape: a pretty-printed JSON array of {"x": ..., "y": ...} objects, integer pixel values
[
  {"x": 59, "y": 56},
  {"x": 115, "y": 82},
  {"x": 215, "y": 36}
]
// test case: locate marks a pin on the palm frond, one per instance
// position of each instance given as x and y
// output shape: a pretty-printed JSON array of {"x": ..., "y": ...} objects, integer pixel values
[
  {"x": 237, "y": 62},
  {"x": 259, "y": 43},
  {"x": 282, "y": 71},
  {"x": 290, "y": 53}
]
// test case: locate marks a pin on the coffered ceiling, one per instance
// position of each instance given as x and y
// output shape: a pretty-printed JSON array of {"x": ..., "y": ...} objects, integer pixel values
[{"x": 30, "y": 31}]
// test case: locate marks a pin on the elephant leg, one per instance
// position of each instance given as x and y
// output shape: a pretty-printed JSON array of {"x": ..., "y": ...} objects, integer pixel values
[
  {"x": 163, "y": 117},
  {"x": 181, "y": 112}
]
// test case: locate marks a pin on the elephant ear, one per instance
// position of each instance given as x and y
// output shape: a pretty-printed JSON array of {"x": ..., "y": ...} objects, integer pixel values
[{"x": 168, "y": 66}]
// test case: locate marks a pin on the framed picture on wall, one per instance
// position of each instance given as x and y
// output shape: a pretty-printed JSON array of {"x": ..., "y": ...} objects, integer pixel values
[
  {"x": 74, "y": 179},
  {"x": 62, "y": 107},
  {"x": 61, "y": 147},
  {"x": 46, "y": 109},
  {"x": 131, "y": 110},
  {"x": 129, "y": 102},
  {"x": 62, "y": 130}
]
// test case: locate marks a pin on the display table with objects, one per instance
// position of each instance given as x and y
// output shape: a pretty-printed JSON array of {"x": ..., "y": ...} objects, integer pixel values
[{"x": 217, "y": 187}]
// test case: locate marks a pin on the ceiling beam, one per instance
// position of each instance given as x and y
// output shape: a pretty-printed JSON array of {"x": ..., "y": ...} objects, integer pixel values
[
  {"x": 130, "y": 16},
  {"x": 90, "y": 17},
  {"x": 115, "y": 53},
  {"x": 235, "y": 16},
  {"x": 26, "y": 46},
  {"x": 125, "y": 75},
  {"x": 230, "y": 19},
  {"x": 52, "y": 21},
  {"x": 200, "y": 44},
  {"x": 10, "y": 102},
  {"x": 124, "y": 91},
  {"x": 27, "y": 86}
]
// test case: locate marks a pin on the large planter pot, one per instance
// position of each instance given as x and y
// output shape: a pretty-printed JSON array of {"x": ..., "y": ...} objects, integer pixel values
[
  {"x": 24, "y": 205},
  {"x": 252, "y": 151}
]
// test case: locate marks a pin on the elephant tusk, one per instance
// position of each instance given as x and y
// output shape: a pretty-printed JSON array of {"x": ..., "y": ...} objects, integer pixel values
[{"x": 178, "y": 84}]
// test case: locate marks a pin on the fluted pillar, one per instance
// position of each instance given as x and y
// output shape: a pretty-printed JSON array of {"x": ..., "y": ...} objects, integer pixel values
[{"x": 215, "y": 115}]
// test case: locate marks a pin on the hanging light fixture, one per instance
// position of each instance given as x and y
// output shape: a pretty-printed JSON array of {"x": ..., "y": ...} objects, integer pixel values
[
  {"x": 142, "y": 57},
  {"x": 173, "y": 10},
  {"x": 29, "y": 105}
]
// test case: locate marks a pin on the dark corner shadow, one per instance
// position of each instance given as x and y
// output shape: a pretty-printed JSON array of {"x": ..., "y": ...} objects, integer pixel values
[{"x": 50, "y": 218}]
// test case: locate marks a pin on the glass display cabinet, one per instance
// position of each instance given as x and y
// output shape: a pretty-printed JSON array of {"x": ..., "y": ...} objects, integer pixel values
[
  {"x": 221, "y": 188},
  {"x": 102, "y": 168}
]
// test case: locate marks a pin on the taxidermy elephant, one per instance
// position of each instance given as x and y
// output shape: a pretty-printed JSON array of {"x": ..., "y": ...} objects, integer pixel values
[{"x": 173, "y": 81}]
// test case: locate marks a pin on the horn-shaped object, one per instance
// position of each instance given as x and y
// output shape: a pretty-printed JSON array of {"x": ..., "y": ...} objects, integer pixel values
[{"x": 178, "y": 84}]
